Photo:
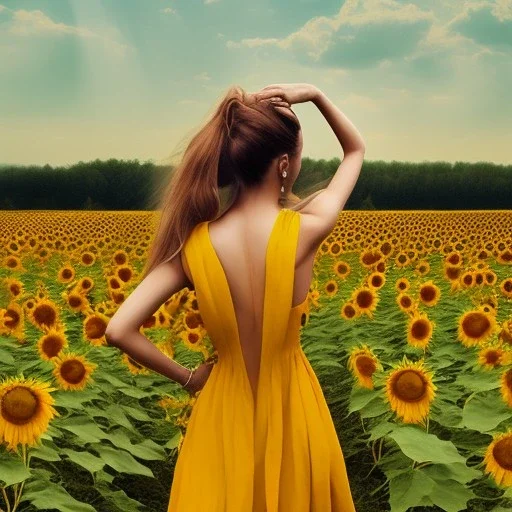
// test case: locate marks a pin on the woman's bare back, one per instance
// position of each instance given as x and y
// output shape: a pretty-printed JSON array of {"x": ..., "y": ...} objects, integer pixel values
[{"x": 240, "y": 243}]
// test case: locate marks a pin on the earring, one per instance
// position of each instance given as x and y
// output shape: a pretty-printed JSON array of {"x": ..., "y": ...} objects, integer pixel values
[{"x": 282, "y": 186}]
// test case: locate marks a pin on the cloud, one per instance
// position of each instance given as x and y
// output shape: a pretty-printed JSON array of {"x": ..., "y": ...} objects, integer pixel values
[
  {"x": 168, "y": 10},
  {"x": 361, "y": 34},
  {"x": 25, "y": 23},
  {"x": 486, "y": 23}
]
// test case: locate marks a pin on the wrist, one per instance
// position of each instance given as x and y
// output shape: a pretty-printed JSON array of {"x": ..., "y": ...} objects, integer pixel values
[
  {"x": 188, "y": 382},
  {"x": 183, "y": 375}
]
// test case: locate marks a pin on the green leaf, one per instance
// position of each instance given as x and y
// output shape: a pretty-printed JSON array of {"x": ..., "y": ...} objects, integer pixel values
[
  {"x": 375, "y": 408},
  {"x": 6, "y": 358},
  {"x": 44, "y": 494},
  {"x": 416, "y": 444},
  {"x": 136, "y": 392},
  {"x": 450, "y": 495},
  {"x": 478, "y": 381},
  {"x": 13, "y": 471},
  {"x": 359, "y": 397},
  {"x": 457, "y": 471},
  {"x": 147, "y": 449},
  {"x": 406, "y": 490},
  {"x": 121, "y": 461},
  {"x": 381, "y": 429},
  {"x": 485, "y": 412},
  {"x": 84, "y": 428},
  {"x": 114, "y": 413},
  {"x": 173, "y": 441},
  {"x": 117, "y": 499},
  {"x": 75, "y": 399},
  {"x": 45, "y": 452},
  {"x": 85, "y": 459},
  {"x": 136, "y": 414},
  {"x": 446, "y": 414}
]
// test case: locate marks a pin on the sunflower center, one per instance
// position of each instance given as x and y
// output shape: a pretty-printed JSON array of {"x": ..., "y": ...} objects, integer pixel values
[
  {"x": 45, "y": 314},
  {"x": 502, "y": 452},
  {"x": 95, "y": 327},
  {"x": 492, "y": 357},
  {"x": 72, "y": 371},
  {"x": 428, "y": 293},
  {"x": 409, "y": 386},
  {"x": 476, "y": 324},
  {"x": 508, "y": 379},
  {"x": 52, "y": 345},
  {"x": 19, "y": 405},
  {"x": 364, "y": 299},
  {"x": 420, "y": 329},
  {"x": 365, "y": 365}
]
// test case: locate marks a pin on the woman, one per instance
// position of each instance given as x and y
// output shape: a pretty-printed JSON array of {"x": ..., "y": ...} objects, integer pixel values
[{"x": 260, "y": 436}]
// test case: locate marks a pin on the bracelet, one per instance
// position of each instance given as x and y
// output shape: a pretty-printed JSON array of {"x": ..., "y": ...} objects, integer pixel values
[{"x": 189, "y": 377}]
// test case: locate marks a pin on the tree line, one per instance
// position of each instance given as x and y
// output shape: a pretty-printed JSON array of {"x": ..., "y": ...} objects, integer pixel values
[{"x": 132, "y": 185}]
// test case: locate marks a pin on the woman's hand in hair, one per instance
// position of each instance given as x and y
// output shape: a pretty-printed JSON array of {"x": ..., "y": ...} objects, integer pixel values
[{"x": 287, "y": 94}]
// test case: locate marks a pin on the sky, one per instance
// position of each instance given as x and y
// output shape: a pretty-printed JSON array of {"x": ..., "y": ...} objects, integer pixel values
[{"x": 424, "y": 80}]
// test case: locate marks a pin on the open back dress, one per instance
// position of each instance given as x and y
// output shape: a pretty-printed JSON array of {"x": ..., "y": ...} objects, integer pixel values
[{"x": 279, "y": 451}]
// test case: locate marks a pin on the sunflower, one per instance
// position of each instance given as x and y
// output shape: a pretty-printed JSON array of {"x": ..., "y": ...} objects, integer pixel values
[
  {"x": 419, "y": 330},
  {"x": 94, "y": 328},
  {"x": 405, "y": 302},
  {"x": 491, "y": 357},
  {"x": 429, "y": 293},
  {"x": 25, "y": 410},
  {"x": 506, "y": 386},
  {"x": 366, "y": 299},
  {"x": 14, "y": 286},
  {"x": 45, "y": 314},
  {"x": 453, "y": 273},
  {"x": 72, "y": 371},
  {"x": 422, "y": 268},
  {"x": 341, "y": 269},
  {"x": 467, "y": 278},
  {"x": 376, "y": 280},
  {"x": 124, "y": 273},
  {"x": 410, "y": 391},
  {"x": 76, "y": 301},
  {"x": 498, "y": 458},
  {"x": 192, "y": 320},
  {"x": 120, "y": 257},
  {"x": 349, "y": 311},
  {"x": 84, "y": 285},
  {"x": 506, "y": 287},
  {"x": 504, "y": 257},
  {"x": 51, "y": 343},
  {"x": 475, "y": 327},
  {"x": 334, "y": 248},
  {"x": 370, "y": 257},
  {"x": 505, "y": 335},
  {"x": 12, "y": 320},
  {"x": 13, "y": 263},
  {"x": 87, "y": 258},
  {"x": 402, "y": 284},
  {"x": 331, "y": 288},
  {"x": 192, "y": 338},
  {"x": 66, "y": 274},
  {"x": 363, "y": 364}
]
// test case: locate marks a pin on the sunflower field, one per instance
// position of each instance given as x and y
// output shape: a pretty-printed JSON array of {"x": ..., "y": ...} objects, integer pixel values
[{"x": 408, "y": 327}]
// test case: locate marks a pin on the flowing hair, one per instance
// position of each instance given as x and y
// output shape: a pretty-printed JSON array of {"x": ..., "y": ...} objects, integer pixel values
[{"x": 234, "y": 147}]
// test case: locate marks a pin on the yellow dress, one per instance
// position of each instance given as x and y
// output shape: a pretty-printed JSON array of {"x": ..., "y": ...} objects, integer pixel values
[{"x": 281, "y": 454}]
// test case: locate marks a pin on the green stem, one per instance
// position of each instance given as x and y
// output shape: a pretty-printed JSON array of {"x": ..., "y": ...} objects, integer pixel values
[{"x": 6, "y": 499}]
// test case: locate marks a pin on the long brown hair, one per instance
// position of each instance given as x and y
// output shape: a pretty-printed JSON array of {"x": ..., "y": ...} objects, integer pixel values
[{"x": 234, "y": 147}]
